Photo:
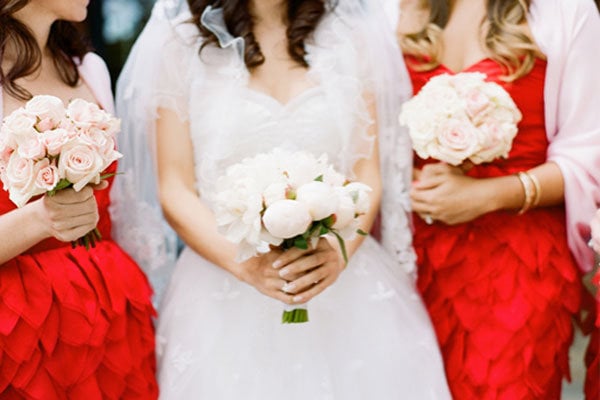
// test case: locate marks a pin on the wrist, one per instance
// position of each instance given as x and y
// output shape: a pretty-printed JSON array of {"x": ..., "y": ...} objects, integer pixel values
[{"x": 36, "y": 213}]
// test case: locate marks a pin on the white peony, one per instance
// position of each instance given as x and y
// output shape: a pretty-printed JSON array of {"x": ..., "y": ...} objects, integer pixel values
[
  {"x": 287, "y": 218},
  {"x": 320, "y": 198}
]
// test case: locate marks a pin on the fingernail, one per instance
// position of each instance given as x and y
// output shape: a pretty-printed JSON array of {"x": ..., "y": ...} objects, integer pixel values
[
  {"x": 284, "y": 272},
  {"x": 277, "y": 264},
  {"x": 288, "y": 287},
  {"x": 297, "y": 299}
]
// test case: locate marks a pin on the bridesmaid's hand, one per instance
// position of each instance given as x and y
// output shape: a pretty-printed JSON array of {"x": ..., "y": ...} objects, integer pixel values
[
  {"x": 310, "y": 272},
  {"x": 443, "y": 193},
  {"x": 69, "y": 215}
]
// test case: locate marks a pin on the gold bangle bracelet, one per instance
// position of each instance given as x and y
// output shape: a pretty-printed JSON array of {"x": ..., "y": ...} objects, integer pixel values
[
  {"x": 538, "y": 189},
  {"x": 529, "y": 188}
]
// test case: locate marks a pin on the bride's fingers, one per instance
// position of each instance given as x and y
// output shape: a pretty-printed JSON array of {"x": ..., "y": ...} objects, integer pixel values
[
  {"x": 289, "y": 256},
  {"x": 304, "y": 264},
  {"x": 314, "y": 290},
  {"x": 306, "y": 281}
]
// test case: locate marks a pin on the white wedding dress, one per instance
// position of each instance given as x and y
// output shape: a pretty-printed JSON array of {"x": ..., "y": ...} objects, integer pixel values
[{"x": 369, "y": 336}]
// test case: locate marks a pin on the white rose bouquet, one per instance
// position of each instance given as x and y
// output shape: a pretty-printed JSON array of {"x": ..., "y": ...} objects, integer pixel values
[
  {"x": 461, "y": 117},
  {"x": 46, "y": 147},
  {"x": 287, "y": 200}
]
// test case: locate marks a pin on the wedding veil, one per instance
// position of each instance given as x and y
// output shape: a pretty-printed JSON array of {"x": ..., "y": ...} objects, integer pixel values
[{"x": 138, "y": 223}]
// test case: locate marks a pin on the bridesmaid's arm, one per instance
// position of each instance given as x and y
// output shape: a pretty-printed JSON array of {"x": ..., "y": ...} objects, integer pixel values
[
  {"x": 66, "y": 216},
  {"x": 447, "y": 195}
]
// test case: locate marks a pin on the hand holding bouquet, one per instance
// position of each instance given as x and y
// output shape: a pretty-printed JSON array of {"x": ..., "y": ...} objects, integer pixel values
[
  {"x": 461, "y": 117},
  {"x": 287, "y": 200},
  {"x": 46, "y": 147}
]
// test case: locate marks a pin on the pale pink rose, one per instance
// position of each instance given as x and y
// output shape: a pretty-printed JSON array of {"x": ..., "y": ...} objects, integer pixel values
[
  {"x": 85, "y": 114},
  {"x": 20, "y": 179},
  {"x": 49, "y": 111},
  {"x": 5, "y": 150},
  {"x": 477, "y": 105},
  {"x": 32, "y": 148},
  {"x": 320, "y": 198},
  {"x": 55, "y": 139},
  {"x": 18, "y": 124},
  {"x": 80, "y": 164},
  {"x": 286, "y": 219},
  {"x": 458, "y": 140},
  {"x": 47, "y": 175},
  {"x": 3, "y": 177}
]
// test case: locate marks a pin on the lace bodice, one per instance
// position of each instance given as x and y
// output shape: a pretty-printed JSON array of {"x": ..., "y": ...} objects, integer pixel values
[{"x": 230, "y": 121}]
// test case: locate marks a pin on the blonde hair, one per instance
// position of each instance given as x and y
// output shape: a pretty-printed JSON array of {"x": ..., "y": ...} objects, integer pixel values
[{"x": 504, "y": 36}]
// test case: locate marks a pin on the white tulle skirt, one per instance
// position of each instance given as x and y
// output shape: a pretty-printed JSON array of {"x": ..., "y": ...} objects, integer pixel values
[{"x": 369, "y": 337}]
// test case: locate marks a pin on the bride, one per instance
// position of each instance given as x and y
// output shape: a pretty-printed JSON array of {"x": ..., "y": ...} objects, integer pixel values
[{"x": 215, "y": 82}]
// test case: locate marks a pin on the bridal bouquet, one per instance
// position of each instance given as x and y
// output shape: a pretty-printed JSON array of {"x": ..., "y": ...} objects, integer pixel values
[
  {"x": 461, "y": 117},
  {"x": 46, "y": 147},
  {"x": 287, "y": 200}
]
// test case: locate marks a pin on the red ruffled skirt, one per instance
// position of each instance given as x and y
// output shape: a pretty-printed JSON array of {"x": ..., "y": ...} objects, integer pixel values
[
  {"x": 76, "y": 324},
  {"x": 501, "y": 292}
]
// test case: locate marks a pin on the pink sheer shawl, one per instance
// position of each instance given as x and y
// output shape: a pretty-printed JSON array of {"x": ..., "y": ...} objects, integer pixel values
[{"x": 568, "y": 32}]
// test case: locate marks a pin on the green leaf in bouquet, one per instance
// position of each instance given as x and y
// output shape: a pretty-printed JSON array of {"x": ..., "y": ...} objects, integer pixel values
[
  {"x": 324, "y": 230},
  {"x": 319, "y": 178},
  {"x": 301, "y": 243},
  {"x": 361, "y": 232},
  {"x": 342, "y": 245},
  {"x": 329, "y": 221},
  {"x": 62, "y": 184}
]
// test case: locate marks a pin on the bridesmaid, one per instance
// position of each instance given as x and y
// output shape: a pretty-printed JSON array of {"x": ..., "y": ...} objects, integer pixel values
[
  {"x": 74, "y": 323},
  {"x": 499, "y": 246}
]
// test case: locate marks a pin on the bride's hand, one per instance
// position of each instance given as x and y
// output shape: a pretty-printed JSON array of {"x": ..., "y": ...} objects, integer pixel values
[
  {"x": 309, "y": 272},
  {"x": 260, "y": 273},
  {"x": 443, "y": 193}
]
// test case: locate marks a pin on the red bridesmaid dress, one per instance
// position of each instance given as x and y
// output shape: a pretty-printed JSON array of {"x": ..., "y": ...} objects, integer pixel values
[
  {"x": 502, "y": 289},
  {"x": 75, "y": 324}
]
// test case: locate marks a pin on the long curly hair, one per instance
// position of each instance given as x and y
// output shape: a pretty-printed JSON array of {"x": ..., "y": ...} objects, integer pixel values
[
  {"x": 302, "y": 19},
  {"x": 503, "y": 38},
  {"x": 65, "y": 44}
]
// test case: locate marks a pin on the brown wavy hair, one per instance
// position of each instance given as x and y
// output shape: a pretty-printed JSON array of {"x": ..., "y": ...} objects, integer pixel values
[
  {"x": 302, "y": 19},
  {"x": 503, "y": 38},
  {"x": 65, "y": 44}
]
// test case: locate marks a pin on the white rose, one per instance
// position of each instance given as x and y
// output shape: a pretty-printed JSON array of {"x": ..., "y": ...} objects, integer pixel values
[
  {"x": 49, "y": 111},
  {"x": 80, "y": 164},
  {"x": 287, "y": 218},
  {"x": 319, "y": 197}
]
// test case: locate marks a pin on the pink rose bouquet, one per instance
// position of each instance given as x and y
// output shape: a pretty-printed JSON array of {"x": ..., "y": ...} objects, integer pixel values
[
  {"x": 287, "y": 200},
  {"x": 46, "y": 147},
  {"x": 461, "y": 117}
]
